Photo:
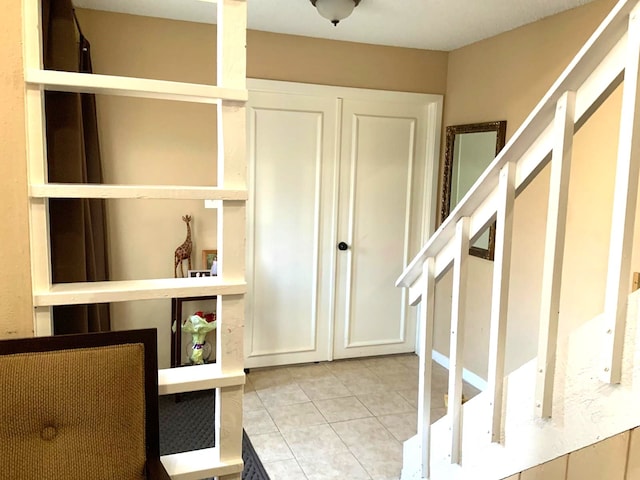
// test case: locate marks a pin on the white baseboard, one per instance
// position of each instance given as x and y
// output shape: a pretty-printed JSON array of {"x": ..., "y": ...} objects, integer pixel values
[{"x": 467, "y": 375}]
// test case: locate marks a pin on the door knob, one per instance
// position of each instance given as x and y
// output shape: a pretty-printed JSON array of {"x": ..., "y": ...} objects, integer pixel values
[{"x": 343, "y": 246}]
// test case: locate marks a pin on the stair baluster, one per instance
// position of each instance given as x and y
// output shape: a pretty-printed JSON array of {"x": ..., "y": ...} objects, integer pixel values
[
  {"x": 563, "y": 128},
  {"x": 624, "y": 209},
  {"x": 500, "y": 296},
  {"x": 427, "y": 318},
  {"x": 456, "y": 348}
]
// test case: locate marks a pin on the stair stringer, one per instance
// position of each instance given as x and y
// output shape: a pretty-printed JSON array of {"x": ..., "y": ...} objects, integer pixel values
[{"x": 585, "y": 410}]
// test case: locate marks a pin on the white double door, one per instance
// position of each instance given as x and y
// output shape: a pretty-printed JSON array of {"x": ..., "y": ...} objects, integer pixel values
[{"x": 341, "y": 192}]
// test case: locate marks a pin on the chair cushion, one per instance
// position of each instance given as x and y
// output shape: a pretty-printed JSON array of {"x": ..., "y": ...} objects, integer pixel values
[{"x": 73, "y": 414}]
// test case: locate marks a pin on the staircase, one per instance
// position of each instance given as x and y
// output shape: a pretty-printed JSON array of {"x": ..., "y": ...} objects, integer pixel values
[
  {"x": 586, "y": 411},
  {"x": 580, "y": 389}
]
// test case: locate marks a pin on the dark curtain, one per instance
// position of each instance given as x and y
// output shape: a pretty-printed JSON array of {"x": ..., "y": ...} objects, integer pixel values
[{"x": 78, "y": 226}]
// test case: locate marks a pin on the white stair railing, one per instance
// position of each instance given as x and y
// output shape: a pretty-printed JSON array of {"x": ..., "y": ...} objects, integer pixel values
[{"x": 611, "y": 54}]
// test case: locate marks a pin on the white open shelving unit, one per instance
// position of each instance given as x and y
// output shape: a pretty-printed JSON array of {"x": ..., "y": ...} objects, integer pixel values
[{"x": 227, "y": 375}]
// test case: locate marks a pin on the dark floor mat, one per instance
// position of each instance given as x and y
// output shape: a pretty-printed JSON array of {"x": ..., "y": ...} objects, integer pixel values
[
  {"x": 253, "y": 468},
  {"x": 188, "y": 424}
]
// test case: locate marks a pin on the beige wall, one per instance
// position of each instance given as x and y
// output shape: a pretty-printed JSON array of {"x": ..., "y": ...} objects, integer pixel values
[
  {"x": 16, "y": 317},
  {"x": 616, "y": 458},
  {"x": 503, "y": 78},
  {"x": 148, "y": 141},
  {"x": 169, "y": 50},
  {"x": 329, "y": 62}
]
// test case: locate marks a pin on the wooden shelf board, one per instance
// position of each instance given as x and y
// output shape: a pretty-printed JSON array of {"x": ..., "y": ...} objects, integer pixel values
[
  {"x": 196, "y": 377},
  {"x": 198, "y": 464},
  {"x": 132, "y": 87},
  {"x": 129, "y": 290},
  {"x": 177, "y": 192}
]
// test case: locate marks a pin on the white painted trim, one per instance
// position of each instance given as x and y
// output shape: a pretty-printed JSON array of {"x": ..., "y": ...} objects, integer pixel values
[
  {"x": 430, "y": 207},
  {"x": 335, "y": 209},
  {"x": 280, "y": 359},
  {"x": 132, "y": 87},
  {"x": 294, "y": 88},
  {"x": 467, "y": 375},
  {"x": 309, "y": 349},
  {"x": 250, "y": 233}
]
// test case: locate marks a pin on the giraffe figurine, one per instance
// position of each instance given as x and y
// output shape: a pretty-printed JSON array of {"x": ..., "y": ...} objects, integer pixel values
[{"x": 183, "y": 252}]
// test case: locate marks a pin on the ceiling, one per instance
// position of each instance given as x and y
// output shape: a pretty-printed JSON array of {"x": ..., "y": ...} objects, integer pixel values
[{"x": 426, "y": 24}]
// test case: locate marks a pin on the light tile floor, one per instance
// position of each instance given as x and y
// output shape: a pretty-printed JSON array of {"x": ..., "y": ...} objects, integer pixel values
[{"x": 338, "y": 420}]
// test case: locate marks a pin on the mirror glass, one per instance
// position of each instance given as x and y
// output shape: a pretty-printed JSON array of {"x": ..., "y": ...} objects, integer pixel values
[{"x": 469, "y": 151}]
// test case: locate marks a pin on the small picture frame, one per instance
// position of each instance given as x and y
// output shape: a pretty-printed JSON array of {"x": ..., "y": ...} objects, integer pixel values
[
  {"x": 198, "y": 273},
  {"x": 210, "y": 260}
]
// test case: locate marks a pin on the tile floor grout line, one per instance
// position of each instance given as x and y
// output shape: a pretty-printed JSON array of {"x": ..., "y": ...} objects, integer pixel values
[
  {"x": 292, "y": 452},
  {"x": 365, "y": 407},
  {"x": 350, "y": 451},
  {"x": 300, "y": 467},
  {"x": 387, "y": 429}
]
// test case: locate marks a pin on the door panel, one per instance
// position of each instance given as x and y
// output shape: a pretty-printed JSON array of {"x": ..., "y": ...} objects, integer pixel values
[
  {"x": 380, "y": 154},
  {"x": 291, "y": 155}
]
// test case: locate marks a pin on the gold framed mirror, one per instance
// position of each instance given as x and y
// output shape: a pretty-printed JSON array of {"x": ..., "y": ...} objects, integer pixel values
[{"x": 469, "y": 151}]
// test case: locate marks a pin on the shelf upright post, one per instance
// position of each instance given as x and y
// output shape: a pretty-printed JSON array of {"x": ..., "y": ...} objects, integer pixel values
[
  {"x": 37, "y": 166},
  {"x": 232, "y": 174}
]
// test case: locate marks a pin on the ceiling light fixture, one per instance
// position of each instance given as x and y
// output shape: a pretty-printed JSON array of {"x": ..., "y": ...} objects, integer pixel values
[{"x": 335, "y": 10}]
